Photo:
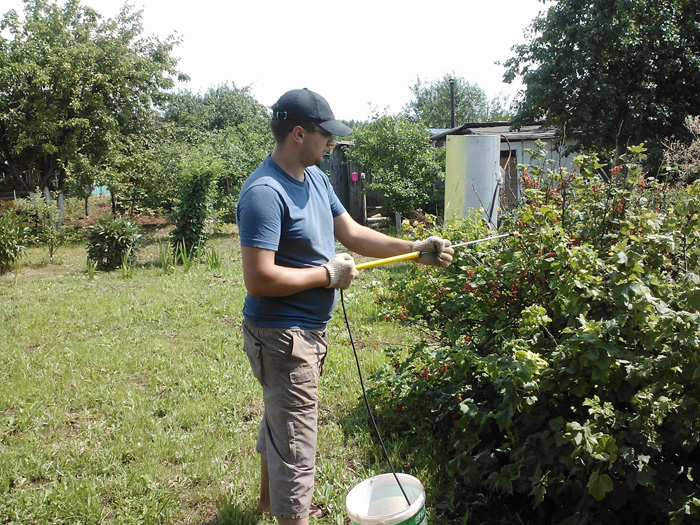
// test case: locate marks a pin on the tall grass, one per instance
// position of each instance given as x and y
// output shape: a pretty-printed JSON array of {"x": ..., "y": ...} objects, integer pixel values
[
  {"x": 130, "y": 400},
  {"x": 186, "y": 257},
  {"x": 166, "y": 257}
]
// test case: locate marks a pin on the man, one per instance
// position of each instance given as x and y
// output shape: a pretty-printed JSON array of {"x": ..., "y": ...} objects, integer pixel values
[{"x": 288, "y": 218}]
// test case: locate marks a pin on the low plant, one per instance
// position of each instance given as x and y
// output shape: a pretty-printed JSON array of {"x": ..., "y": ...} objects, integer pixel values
[
  {"x": 44, "y": 222},
  {"x": 567, "y": 371},
  {"x": 212, "y": 259},
  {"x": 112, "y": 239},
  {"x": 91, "y": 267},
  {"x": 127, "y": 266},
  {"x": 166, "y": 257},
  {"x": 12, "y": 240},
  {"x": 185, "y": 256},
  {"x": 685, "y": 158}
]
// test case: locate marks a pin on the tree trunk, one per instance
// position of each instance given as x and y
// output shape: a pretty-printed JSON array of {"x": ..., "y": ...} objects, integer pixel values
[
  {"x": 88, "y": 192},
  {"x": 56, "y": 222},
  {"x": 61, "y": 208},
  {"x": 133, "y": 198},
  {"x": 47, "y": 199}
]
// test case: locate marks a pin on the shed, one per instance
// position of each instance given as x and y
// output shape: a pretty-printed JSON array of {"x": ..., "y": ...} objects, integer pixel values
[{"x": 514, "y": 146}]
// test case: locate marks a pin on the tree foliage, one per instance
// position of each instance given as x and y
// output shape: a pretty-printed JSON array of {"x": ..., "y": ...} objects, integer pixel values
[
  {"x": 619, "y": 72},
  {"x": 77, "y": 93},
  {"x": 432, "y": 104},
  {"x": 231, "y": 125},
  {"x": 220, "y": 107},
  {"x": 397, "y": 153}
]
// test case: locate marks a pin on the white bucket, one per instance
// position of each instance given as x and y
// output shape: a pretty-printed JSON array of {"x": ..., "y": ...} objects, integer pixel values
[{"x": 379, "y": 501}]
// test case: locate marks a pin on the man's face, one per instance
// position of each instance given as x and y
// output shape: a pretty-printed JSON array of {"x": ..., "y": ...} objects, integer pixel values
[{"x": 320, "y": 143}]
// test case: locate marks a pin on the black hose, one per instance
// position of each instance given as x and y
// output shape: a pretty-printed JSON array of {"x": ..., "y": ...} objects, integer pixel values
[{"x": 364, "y": 394}]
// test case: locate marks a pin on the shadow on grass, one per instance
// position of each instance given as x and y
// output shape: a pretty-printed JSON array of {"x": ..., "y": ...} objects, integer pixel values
[
  {"x": 233, "y": 513},
  {"x": 156, "y": 234}
]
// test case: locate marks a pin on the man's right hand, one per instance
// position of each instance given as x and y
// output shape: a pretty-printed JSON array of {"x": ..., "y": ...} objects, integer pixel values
[{"x": 341, "y": 271}]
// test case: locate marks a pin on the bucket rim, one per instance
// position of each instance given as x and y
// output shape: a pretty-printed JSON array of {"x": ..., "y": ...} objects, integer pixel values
[{"x": 415, "y": 507}]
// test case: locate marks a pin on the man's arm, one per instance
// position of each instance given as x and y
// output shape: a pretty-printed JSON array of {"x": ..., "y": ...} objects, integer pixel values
[
  {"x": 263, "y": 277},
  {"x": 366, "y": 241}
]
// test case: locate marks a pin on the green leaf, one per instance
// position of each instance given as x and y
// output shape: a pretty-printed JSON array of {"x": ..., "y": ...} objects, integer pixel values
[
  {"x": 599, "y": 485},
  {"x": 504, "y": 417}
]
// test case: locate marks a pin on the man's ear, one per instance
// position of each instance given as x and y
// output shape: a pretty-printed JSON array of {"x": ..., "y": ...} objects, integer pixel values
[{"x": 298, "y": 134}]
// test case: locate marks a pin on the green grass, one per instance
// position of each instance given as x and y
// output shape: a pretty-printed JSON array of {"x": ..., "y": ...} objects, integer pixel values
[{"x": 125, "y": 397}]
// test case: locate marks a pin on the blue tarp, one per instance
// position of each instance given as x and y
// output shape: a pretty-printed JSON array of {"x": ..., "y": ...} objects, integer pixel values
[{"x": 99, "y": 190}]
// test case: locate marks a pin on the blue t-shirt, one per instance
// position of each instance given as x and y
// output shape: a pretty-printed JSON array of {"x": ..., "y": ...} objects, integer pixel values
[{"x": 295, "y": 220}]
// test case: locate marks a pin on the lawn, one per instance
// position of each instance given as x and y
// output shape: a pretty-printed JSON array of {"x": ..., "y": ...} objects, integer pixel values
[{"x": 125, "y": 396}]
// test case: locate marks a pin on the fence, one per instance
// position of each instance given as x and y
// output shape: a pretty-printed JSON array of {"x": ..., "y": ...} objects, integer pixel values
[{"x": 348, "y": 184}]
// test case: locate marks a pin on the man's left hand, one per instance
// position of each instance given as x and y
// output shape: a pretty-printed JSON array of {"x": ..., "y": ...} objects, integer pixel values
[{"x": 434, "y": 251}]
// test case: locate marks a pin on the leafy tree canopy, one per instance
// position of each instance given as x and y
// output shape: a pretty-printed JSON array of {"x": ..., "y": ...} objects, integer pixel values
[
  {"x": 432, "y": 103},
  {"x": 397, "y": 152},
  {"x": 225, "y": 122},
  {"x": 76, "y": 91},
  {"x": 218, "y": 108},
  {"x": 620, "y": 72}
]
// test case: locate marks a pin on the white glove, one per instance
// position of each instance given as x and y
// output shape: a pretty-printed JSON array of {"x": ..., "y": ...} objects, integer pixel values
[
  {"x": 434, "y": 251},
  {"x": 341, "y": 270}
]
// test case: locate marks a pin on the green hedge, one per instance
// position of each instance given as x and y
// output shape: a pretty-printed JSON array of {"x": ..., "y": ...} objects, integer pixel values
[{"x": 568, "y": 376}]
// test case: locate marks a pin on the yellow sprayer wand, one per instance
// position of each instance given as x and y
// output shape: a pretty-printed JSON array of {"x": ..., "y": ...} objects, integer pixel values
[
  {"x": 415, "y": 255},
  {"x": 388, "y": 260}
]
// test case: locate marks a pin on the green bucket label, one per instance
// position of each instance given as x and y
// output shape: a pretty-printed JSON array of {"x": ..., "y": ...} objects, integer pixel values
[{"x": 417, "y": 519}]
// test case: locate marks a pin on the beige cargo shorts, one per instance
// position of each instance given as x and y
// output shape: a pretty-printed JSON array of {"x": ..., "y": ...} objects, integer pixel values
[{"x": 288, "y": 364}]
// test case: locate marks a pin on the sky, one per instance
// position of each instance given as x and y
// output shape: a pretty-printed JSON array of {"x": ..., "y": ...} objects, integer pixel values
[{"x": 363, "y": 56}]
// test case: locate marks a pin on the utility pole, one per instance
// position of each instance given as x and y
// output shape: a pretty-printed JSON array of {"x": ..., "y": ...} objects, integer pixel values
[{"x": 452, "y": 103}]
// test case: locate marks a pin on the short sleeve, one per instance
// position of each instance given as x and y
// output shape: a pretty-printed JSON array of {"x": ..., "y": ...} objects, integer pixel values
[
  {"x": 337, "y": 207},
  {"x": 259, "y": 214}
]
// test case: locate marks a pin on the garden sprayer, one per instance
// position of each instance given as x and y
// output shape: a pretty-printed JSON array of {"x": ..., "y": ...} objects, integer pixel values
[{"x": 415, "y": 255}]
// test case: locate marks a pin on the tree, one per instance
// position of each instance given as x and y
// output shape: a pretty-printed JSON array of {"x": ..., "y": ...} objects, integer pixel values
[
  {"x": 200, "y": 170},
  {"x": 218, "y": 108},
  {"x": 232, "y": 125},
  {"x": 76, "y": 93},
  {"x": 397, "y": 153},
  {"x": 619, "y": 72},
  {"x": 432, "y": 103}
]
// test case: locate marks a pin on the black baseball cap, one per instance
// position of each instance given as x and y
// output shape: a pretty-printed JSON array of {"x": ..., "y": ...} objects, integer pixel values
[{"x": 303, "y": 105}]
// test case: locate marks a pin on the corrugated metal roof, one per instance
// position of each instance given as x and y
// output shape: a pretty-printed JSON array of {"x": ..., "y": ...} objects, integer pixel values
[{"x": 532, "y": 132}]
